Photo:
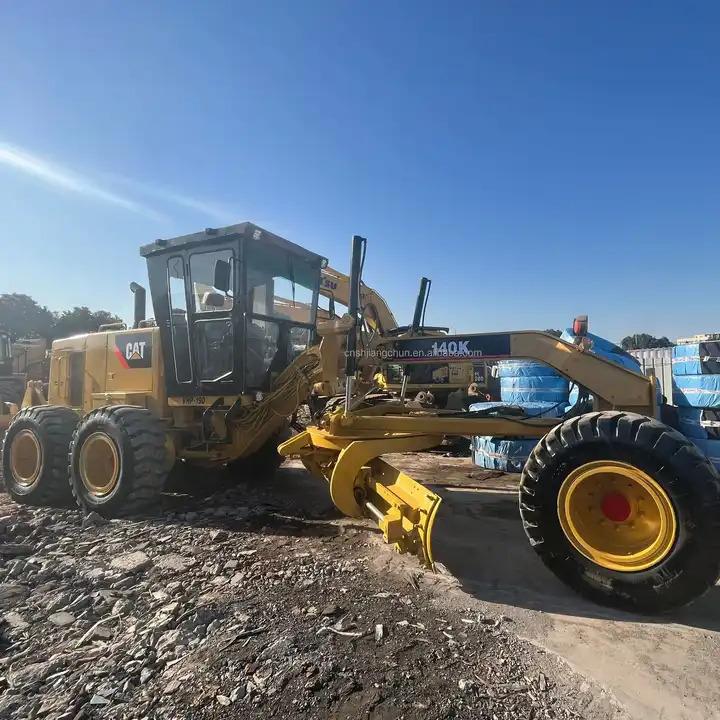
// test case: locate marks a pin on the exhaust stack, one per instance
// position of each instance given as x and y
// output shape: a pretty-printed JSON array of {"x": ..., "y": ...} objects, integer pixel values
[{"x": 139, "y": 292}]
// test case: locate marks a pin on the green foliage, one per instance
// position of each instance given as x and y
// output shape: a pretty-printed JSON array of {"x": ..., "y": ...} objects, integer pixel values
[
  {"x": 642, "y": 341},
  {"x": 21, "y": 316},
  {"x": 81, "y": 320},
  {"x": 556, "y": 333}
]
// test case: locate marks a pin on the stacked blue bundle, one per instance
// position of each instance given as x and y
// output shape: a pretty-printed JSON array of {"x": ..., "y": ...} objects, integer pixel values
[
  {"x": 696, "y": 392},
  {"x": 700, "y": 423},
  {"x": 697, "y": 358},
  {"x": 529, "y": 382},
  {"x": 500, "y": 454},
  {"x": 540, "y": 391}
]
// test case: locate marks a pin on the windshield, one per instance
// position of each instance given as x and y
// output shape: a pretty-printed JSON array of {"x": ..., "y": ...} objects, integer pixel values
[
  {"x": 280, "y": 285},
  {"x": 282, "y": 297}
]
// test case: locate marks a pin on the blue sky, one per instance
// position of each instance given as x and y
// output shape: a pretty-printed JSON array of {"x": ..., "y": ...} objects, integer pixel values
[{"x": 536, "y": 159}]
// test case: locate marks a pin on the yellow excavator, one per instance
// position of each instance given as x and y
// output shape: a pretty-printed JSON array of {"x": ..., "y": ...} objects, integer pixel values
[
  {"x": 432, "y": 383},
  {"x": 618, "y": 505}
]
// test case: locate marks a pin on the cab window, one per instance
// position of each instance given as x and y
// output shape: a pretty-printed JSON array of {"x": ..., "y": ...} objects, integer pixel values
[{"x": 203, "y": 271}]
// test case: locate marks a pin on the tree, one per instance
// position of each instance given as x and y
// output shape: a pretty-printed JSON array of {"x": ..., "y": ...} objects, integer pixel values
[
  {"x": 81, "y": 320},
  {"x": 642, "y": 341},
  {"x": 556, "y": 333},
  {"x": 21, "y": 316}
]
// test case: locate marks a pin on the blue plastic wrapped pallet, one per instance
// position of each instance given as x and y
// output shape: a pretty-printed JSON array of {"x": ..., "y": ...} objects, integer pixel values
[
  {"x": 696, "y": 358},
  {"x": 608, "y": 350},
  {"x": 696, "y": 374},
  {"x": 540, "y": 390},
  {"x": 699, "y": 423},
  {"x": 699, "y": 391},
  {"x": 501, "y": 453},
  {"x": 526, "y": 382}
]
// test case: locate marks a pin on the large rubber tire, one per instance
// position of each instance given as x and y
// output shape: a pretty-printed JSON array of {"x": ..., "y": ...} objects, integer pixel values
[
  {"x": 691, "y": 566},
  {"x": 47, "y": 429},
  {"x": 138, "y": 440}
]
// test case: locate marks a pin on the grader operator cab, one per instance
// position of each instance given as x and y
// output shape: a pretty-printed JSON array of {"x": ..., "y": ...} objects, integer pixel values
[{"x": 210, "y": 381}]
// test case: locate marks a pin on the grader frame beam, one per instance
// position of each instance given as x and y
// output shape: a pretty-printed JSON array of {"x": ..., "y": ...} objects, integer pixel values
[{"x": 612, "y": 385}]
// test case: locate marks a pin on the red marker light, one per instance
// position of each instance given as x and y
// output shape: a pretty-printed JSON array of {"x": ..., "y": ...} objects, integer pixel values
[{"x": 580, "y": 326}]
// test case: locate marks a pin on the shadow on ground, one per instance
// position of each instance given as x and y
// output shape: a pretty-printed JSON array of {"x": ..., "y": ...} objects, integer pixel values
[{"x": 479, "y": 538}]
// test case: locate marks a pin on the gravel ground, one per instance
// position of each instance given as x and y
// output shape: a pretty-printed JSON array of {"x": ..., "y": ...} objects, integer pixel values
[{"x": 246, "y": 604}]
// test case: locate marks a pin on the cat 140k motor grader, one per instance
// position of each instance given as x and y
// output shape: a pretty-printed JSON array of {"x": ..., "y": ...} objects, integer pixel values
[{"x": 619, "y": 505}]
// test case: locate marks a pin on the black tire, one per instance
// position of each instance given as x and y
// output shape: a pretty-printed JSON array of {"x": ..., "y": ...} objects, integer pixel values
[
  {"x": 264, "y": 462},
  {"x": 46, "y": 483},
  {"x": 692, "y": 485},
  {"x": 138, "y": 439}
]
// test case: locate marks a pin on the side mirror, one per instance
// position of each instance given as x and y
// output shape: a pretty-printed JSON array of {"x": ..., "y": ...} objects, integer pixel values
[
  {"x": 213, "y": 300},
  {"x": 222, "y": 275}
]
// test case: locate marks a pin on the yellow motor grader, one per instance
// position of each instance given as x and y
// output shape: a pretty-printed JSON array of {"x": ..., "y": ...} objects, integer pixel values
[{"x": 619, "y": 505}]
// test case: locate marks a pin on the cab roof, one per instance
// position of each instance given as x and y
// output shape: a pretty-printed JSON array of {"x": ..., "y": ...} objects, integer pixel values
[{"x": 245, "y": 230}]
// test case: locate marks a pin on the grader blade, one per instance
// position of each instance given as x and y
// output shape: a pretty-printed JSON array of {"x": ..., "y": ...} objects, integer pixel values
[
  {"x": 364, "y": 485},
  {"x": 404, "y": 509}
]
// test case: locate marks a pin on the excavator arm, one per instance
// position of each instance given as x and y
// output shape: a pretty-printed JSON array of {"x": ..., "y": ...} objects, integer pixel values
[{"x": 336, "y": 285}]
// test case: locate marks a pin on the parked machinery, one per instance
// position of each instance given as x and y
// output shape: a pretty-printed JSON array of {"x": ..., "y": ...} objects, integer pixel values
[
  {"x": 12, "y": 384},
  {"x": 434, "y": 383},
  {"x": 21, "y": 361}
]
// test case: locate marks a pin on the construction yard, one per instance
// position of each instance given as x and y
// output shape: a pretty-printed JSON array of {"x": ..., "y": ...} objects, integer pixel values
[{"x": 261, "y": 601}]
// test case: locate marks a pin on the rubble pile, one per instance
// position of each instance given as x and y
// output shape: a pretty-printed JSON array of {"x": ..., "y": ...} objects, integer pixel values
[{"x": 233, "y": 606}]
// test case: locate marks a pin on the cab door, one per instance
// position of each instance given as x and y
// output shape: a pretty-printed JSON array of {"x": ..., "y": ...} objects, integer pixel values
[{"x": 213, "y": 314}]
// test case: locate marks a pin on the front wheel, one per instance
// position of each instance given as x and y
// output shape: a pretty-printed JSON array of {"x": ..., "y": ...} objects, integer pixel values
[
  {"x": 625, "y": 510},
  {"x": 118, "y": 460}
]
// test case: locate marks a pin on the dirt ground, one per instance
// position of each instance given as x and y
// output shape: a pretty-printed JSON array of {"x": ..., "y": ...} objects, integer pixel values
[
  {"x": 260, "y": 601},
  {"x": 664, "y": 667}
]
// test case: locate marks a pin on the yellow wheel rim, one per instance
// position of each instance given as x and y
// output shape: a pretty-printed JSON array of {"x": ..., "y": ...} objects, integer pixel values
[
  {"x": 26, "y": 458},
  {"x": 99, "y": 464},
  {"x": 617, "y": 516}
]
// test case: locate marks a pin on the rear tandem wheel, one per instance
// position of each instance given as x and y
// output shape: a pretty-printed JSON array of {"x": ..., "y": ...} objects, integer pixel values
[
  {"x": 625, "y": 510},
  {"x": 34, "y": 455},
  {"x": 118, "y": 460}
]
